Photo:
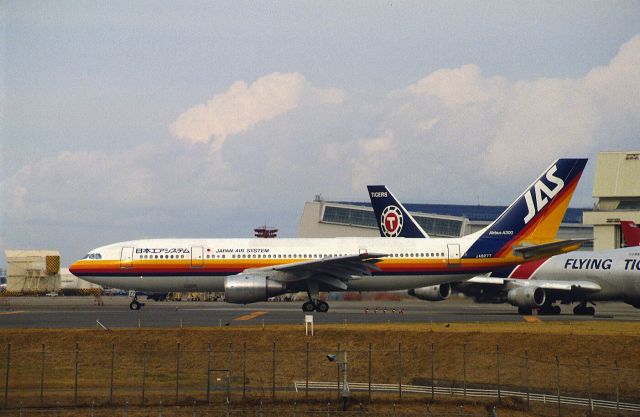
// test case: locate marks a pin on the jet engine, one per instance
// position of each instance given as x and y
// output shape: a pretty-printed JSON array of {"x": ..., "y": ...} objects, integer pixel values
[
  {"x": 526, "y": 297},
  {"x": 432, "y": 293},
  {"x": 251, "y": 288}
]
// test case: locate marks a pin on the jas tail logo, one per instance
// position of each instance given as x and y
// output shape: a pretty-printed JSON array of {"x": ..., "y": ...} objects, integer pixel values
[
  {"x": 541, "y": 194},
  {"x": 391, "y": 221}
]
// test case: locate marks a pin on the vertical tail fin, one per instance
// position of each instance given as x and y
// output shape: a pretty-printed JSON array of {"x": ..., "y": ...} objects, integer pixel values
[
  {"x": 535, "y": 216},
  {"x": 631, "y": 233},
  {"x": 393, "y": 219}
]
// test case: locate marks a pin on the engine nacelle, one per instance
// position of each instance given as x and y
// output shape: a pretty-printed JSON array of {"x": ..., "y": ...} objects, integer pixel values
[
  {"x": 432, "y": 293},
  {"x": 251, "y": 288},
  {"x": 526, "y": 297}
]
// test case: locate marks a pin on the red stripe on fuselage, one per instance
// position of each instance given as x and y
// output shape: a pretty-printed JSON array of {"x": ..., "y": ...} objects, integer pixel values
[{"x": 525, "y": 270}]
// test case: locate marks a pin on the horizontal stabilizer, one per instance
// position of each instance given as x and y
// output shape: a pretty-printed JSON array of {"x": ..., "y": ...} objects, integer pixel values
[{"x": 549, "y": 249}]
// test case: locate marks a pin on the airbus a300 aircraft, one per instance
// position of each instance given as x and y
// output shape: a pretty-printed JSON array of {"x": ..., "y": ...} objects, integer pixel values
[{"x": 252, "y": 270}]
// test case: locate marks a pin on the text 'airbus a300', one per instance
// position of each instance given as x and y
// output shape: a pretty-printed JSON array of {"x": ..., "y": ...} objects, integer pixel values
[{"x": 252, "y": 270}]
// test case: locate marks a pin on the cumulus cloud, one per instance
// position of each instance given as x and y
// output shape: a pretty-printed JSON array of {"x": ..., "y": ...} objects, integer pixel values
[
  {"x": 243, "y": 106},
  {"x": 493, "y": 123}
]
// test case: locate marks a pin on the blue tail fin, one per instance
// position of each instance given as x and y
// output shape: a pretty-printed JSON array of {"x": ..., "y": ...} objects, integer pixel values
[
  {"x": 535, "y": 216},
  {"x": 393, "y": 219}
]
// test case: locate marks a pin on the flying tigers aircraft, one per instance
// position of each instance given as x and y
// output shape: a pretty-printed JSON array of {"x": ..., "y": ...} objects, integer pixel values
[{"x": 252, "y": 270}]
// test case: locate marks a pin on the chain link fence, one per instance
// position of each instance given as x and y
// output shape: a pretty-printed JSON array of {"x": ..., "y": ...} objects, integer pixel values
[{"x": 143, "y": 375}]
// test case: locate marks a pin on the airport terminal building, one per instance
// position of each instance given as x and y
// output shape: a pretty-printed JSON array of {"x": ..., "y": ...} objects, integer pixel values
[{"x": 335, "y": 218}]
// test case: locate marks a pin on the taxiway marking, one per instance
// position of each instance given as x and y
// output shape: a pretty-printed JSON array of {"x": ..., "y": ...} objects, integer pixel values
[
  {"x": 532, "y": 319},
  {"x": 250, "y": 316}
]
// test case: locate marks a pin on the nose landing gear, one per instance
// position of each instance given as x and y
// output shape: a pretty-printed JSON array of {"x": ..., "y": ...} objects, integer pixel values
[{"x": 135, "y": 304}]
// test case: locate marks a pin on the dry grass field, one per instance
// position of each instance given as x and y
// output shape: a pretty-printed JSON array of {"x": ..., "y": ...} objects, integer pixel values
[{"x": 171, "y": 365}]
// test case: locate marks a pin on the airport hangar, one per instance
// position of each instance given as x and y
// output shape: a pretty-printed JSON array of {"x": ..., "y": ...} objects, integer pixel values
[{"x": 616, "y": 189}]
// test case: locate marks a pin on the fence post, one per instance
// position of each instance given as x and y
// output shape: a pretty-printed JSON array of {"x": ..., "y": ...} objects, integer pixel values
[
  {"x": 399, "y": 373},
  {"x": 209, "y": 373},
  {"x": 144, "y": 369},
  {"x": 433, "y": 371},
  {"x": 526, "y": 375},
  {"x": 498, "y": 371},
  {"x": 113, "y": 362},
  {"x": 464, "y": 370},
  {"x": 369, "y": 371},
  {"x": 273, "y": 374},
  {"x": 6, "y": 376},
  {"x": 229, "y": 361},
  {"x": 42, "y": 364},
  {"x": 244, "y": 370},
  {"x": 617, "y": 386},
  {"x": 558, "y": 384},
  {"x": 338, "y": 369},
  {"x": 589, "y": 378},
  {"x": 177, "y": 372},
  {"x": 75, "y": 384},
  {"x": 306, "y": 373}
]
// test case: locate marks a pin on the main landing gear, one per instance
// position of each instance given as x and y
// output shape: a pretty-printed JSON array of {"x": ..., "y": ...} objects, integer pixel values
[
  {"x": 582, "y": 310},
  {"x": 314, "y": 304},
  {"x": 135, "y": 304},
  {"x": 549, "y": 310}
]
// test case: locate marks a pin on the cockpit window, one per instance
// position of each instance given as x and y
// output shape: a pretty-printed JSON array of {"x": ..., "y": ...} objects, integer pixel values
[{"x": 93, "y": 256}]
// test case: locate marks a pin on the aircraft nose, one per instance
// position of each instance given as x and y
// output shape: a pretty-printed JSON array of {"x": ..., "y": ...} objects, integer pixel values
[{"x": 73, "y": 268}]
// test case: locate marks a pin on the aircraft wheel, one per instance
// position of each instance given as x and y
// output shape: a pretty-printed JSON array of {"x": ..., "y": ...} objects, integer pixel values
[
  {"x": 308, "y": 307},
  {"x": 555, "y": 310},
  {"x": 590, "y": 311},
  {"x": 525, "y": 311},
  {"x": 322, "y": 307},
  {"x": 135, "y": 305}
]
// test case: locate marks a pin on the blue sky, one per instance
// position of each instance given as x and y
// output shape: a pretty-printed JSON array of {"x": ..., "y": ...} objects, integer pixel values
[{"x": 124, "y": 120}]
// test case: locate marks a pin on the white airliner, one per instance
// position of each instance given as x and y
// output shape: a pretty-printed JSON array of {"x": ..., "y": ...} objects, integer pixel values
[
  {"x": 252, "y": 270},
  {"x": 581, "y": 277}
]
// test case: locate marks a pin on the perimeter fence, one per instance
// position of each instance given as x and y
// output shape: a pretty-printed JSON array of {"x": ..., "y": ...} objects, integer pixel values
[{"x": 147, "y": 375}]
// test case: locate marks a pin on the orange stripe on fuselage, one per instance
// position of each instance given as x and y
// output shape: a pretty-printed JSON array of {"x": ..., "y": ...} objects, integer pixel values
[{"x": 225, "y": 266}]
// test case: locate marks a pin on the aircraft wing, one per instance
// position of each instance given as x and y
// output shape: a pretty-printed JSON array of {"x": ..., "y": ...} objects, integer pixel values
[
  {"x": 333, "y": 271},
  {"x": 547, "y": 284},
  {"x": 549, "y": 249},
  {"x": 557, "y": 285}
]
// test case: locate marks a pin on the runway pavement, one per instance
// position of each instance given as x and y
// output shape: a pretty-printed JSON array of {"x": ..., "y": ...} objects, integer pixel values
[{"x": 81, "y": 312}]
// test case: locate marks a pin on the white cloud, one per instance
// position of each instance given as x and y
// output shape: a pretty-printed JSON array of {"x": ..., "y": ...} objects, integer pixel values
[
  {"x": 243, "y": 106},
  {"x": 458, "y": 87},
  {"x": 498, "y": 126}
]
